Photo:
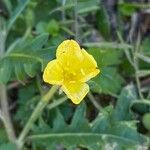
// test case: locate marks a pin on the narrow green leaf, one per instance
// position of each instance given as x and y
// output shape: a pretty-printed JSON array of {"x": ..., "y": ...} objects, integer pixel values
[
  {"x": 59, "y": 121},
  {"x": 30, "y": 69},
  {"x": 19, "y": 72},
  {"x": 79, "y": 120},
  {"x": 87, "y": 6},
  {"x": 129, "y": 8},
  {"x": 5, "y": 71},
  {"x": 38, "y": 42},
  {"x": 80, "y": 138},
  {"x": 17, "y": 12},
  {"x": 103, "y": 22}
]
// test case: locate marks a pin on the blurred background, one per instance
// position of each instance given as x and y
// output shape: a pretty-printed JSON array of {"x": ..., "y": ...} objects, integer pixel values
[{"x": 115, "y": 114}]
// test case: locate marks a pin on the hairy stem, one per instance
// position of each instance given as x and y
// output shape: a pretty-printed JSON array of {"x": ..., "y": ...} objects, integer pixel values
[
  {"x": 3, "y": 92},
  {"x": 6, "y": 116}
]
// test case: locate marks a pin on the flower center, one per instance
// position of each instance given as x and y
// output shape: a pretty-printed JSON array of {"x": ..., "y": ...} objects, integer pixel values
[{"x": 69, "y": 76}]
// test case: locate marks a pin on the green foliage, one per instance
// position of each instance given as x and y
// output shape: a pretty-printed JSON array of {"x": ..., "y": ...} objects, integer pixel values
[
  {"x": 129, "y": 8},
  {"x": 26, "y": 58},
  {"x": 27, "y": 100},
  {"x": 8, "y": 146},
  {"x": 109, "y": 80},
  {"x": 103, "y": 22},
  {"x": 15, "y": 14},
  {"x": 105, "y": 129},
  {"x": 117, "y": 117}
]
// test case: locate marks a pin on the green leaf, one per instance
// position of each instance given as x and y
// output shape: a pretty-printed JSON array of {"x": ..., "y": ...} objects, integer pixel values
[
  {"x": 22, "y": 4},
  {"x": 103, "y": 22},
  {"x": 8, "y": 146},
  {"x": 5, "y": 71},
  {"x": 106, "y": 57},
  {"x": 38, "y": 42},
  {"x": 58, "y": 122},
  {"x": 79, "y": 121},
  {"x": 53, "y": 27},
  {"x": 122, "y": 109},
  {"x": 31, "y": 69},
  {"x": 102, "y": 131},
  {"x": 84, "y": 139},
  {"x": 108, "y": 81},
  {"x": 87, "y": 6},
  {"x": 102, "y": 121},
  {"x": 129, "y": 8},
  {"x": 26, "y": 57},
  {"x": 19, "y": 72}
]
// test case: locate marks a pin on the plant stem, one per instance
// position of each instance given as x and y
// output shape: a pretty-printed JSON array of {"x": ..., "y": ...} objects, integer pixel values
[
  {"x": 94, "y": 102},
  {"x": 137, "y": 77},
  {"x": 3, "y": 92},
  {"x": 57, "y": 103},
  {"x": 136, "y": 65},
  {"x": 37, "y": 111},
  {"x": 133, "y": 61},
  {"x": 63, "y": 11},
  {"x": 76, "y": 21},
  {"x": 6, "y": 116}
]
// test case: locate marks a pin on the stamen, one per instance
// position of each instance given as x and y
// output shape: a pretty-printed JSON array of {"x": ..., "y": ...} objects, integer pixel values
[{"x": 82, "y": 71}]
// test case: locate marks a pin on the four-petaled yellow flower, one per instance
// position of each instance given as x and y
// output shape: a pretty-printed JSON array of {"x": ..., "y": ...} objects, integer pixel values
[{"x": 72, "y": 67}]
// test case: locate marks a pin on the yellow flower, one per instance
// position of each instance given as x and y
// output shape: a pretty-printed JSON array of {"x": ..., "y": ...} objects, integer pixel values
[{"x": 72, "y": 67}]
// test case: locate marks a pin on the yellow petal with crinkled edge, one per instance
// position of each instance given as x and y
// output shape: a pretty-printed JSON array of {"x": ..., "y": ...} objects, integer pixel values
[
  {"x": 68, "y": 46},
  {"x": 88, "y": 68},
  {"x": 76, "y": 91},
  {"x": 53, "y": 73},
  {"x": 69, "y": 55}
]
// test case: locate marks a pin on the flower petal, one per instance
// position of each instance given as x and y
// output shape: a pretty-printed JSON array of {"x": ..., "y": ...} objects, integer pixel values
[
  {"x": 69, "y": 55},
  {"x": 88, "y": 67},
  {"x": 67, "y": 46},
  {"x": 53, "y": 73},
  {"x": 76, "y": 91}
]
